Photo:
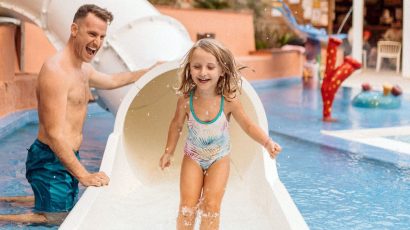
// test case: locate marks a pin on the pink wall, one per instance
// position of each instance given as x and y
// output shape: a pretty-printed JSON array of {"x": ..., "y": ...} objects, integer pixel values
[
  {"x": 234, "y": 30},
  {"x": 37, "y": 48},
  {"x": 273, "y": 64},
  {"x": 17, "y": 86},
  {"x": 7, "y": 52}
]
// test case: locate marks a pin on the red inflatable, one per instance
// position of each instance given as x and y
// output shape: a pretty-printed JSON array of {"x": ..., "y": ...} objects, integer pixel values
[{"x": 334, "y": 76}]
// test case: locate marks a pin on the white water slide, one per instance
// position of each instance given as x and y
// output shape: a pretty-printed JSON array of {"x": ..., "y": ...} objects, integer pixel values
[{"x": 140, "y": 195}]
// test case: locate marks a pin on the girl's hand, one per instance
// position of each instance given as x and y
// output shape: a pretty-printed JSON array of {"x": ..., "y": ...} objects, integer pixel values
[
  {"x": 165, "y": 160},
  {"x": 273, "y": 148}
]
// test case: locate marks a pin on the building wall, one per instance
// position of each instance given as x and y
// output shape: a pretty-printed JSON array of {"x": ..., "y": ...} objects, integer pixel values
[
  {"x": 7, "y": 52},
  {"x": 17, "y": 85},
  {"x": 235, "y": 30},
  {"x": 37, "y": 48},
  {"x": 273, "y": 64}
]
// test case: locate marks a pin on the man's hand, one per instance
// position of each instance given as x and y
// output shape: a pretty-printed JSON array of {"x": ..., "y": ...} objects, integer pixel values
[
  {"x": 155, "y": 65},
  {"x": 95, "y": 179}
]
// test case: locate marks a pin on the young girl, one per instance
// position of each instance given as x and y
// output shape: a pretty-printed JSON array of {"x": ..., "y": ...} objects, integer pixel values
[{"x": 210, "y": 86}]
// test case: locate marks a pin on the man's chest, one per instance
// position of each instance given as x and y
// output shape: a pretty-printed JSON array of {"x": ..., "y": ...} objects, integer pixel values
[{"x": 78, "y": 93}]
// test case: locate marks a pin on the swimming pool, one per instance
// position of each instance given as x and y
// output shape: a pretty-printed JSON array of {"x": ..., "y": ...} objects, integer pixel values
[{"x": 334, "y": 182}]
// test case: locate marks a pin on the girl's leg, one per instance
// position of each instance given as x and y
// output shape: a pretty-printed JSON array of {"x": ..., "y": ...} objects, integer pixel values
[
  {"x": 216, "y": 178},
  {"x": 190, "y": 191}
]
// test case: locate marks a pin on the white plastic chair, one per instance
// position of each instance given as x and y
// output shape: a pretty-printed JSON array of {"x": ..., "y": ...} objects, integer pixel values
[
  {"x": 364, "y": 59},
  {"x": 388, "y": 49}
]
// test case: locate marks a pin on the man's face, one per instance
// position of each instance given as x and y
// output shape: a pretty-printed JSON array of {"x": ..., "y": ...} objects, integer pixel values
[{"x": 88, "y": 34}]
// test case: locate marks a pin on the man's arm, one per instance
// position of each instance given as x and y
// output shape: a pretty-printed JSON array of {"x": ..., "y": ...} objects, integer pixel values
[
  {"x": 104, "y": 81},
  {"x": 52, "y": 93}
]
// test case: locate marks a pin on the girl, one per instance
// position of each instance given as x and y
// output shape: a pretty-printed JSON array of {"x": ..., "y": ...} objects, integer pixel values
[{"x": 210, "y": 86}]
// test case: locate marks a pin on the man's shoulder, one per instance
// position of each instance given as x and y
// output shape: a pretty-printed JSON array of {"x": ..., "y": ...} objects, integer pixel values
[
  {"x": 51, "y": 65},
  {"x": 52, "y": 72}
]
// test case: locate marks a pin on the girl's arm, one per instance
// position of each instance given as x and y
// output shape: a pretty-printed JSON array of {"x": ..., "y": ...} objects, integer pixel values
[
  {"x": 253, "y": 130},
  {"x": 175, "y": 129}
]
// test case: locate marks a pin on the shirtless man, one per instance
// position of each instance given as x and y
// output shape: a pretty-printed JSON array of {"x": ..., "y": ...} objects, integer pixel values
[{"x": 53, "y": 168}]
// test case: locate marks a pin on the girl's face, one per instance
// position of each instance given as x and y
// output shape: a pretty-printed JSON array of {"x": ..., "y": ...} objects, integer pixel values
[{"x": 205, "y": 70}]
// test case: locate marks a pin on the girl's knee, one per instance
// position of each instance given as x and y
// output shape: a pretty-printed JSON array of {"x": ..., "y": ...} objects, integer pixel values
[
  {"x": 211, "y": 206},
  {"x": 186, "y": 217},
  {"x": 187, "y": 211},
  {"x": 210, "y": 215}
]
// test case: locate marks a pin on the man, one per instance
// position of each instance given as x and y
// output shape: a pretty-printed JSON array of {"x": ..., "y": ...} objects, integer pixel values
[{"x": 53, "y": 168}]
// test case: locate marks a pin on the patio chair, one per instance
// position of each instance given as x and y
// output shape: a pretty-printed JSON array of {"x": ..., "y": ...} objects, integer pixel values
[
  {"x": 364, "y": 59},
  {"x": 388, "y": 49}
]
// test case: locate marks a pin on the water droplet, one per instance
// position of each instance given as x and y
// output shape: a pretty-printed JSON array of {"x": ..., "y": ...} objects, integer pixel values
[{"x": 148, "y": 114}]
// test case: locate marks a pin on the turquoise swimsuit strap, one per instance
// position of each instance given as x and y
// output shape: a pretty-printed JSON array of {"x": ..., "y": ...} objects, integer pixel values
[{"x": 191, "y": 107}]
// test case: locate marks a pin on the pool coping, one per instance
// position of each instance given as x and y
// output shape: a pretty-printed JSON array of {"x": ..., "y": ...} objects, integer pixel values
[{"x": 16, "y": 120}]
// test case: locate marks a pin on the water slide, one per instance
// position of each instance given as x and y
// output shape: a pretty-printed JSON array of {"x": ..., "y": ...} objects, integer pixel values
[
  {"x": 307, "y": 30},
  {"x": 140, "y": 195}
]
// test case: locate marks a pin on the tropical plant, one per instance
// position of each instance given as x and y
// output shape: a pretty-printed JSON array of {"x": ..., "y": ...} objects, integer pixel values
[
  {"x": 211, "y": 4},
  {"x": 163, "y": 2}
]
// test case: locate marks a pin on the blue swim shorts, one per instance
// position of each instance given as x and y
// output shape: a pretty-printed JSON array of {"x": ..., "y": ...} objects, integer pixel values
[{"x": 55, "y": 189}]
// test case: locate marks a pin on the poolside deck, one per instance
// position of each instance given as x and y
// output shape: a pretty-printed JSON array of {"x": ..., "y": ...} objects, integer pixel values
[{"x": 377, "y": 79}]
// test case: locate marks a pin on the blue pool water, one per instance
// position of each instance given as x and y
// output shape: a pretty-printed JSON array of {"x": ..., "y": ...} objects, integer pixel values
[{"x": 336, "y": 184}]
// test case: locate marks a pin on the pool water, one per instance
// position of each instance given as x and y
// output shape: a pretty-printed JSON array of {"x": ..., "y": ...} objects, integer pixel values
[
  {"x": 334, "y": 189},
  {"x": 13, "y": 151},
  {"x": 335, "y": 183}
]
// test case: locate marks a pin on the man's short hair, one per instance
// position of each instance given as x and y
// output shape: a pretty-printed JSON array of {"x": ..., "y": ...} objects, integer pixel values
[{"x": 101, "y": 13}]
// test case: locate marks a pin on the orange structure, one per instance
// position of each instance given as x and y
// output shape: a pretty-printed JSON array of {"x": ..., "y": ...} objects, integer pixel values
[{"x": 24, "y": 48}]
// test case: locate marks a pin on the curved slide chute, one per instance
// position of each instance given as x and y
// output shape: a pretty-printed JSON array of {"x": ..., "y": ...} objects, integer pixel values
[{"x": 140, "y": 195}]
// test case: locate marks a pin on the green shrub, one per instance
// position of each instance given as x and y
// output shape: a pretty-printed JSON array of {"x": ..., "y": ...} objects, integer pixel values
[{"x": 211, "y": 4}]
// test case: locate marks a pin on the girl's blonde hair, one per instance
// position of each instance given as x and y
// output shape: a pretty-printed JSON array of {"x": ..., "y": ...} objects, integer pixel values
[{"x": 229, "y": 84}]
